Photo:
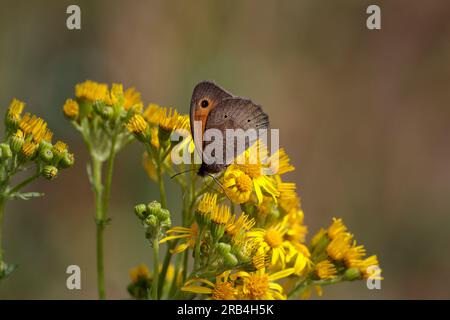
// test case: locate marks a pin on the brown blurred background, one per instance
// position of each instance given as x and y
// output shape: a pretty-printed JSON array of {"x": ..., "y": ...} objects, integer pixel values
[{"x": 364, "y": 115}]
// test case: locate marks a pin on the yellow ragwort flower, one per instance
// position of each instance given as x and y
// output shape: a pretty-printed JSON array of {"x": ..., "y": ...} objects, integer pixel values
[
  {"x": 15, "y": 109},
  {"x": 272, "y": 239},
  {"x": 238, "y": 185},
  {"x": 139, "y": 272},
  {"x": 137, "y": 125},
  {"x": 29, "y": 149},
  {"x": 133, "y": 100},
  {"x": 237, "y": 224},
  {"x": 71, "y": 109},
  {"x": 190, "y": 234},
  {"x": 91, "y": 91},
  {"x": 220, "y": 215},
  {"x": 35, "y": 127},
  {"x": 339, "y": 246},
  {"x": 260, "y": 285},
  {"x": 222, "y": 289},
  {"x": 325, "y": 270},
  {"x": 336, "y": 228}
]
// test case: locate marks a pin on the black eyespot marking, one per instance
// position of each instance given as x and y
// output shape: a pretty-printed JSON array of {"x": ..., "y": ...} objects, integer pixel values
[
  {"x": 248, "y": 120},
  {"x": 204, "y": 103},
  {"x": 225, "y": 116}
]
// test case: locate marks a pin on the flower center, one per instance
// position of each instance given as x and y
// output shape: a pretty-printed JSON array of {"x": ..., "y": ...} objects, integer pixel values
[
  {"x": 258, "y": 286},
  {"x": 244, "y": 183},
  {"x": 273, "y": 238},
  {"x": 253, "y": 170},
  {"x": 223, "y": 291}
]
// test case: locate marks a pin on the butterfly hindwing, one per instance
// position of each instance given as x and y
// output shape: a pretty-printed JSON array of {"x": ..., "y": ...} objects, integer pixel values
[{"x": 239, "y": 115}]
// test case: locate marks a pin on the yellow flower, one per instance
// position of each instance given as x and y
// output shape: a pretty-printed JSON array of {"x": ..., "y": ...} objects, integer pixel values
[
  {"x": 369, "y": 267},
  {"x": 260, "y": 285},
  {"x": 60, "y": 147},
  {"x": 336, "y": 228},
  {"x": 339, "y": 246},
  {"x": 288, "y": 199},
  {"x": 153, "y": 114},
  {"x": 296, "y": 229},
  {"x": 236, "y": 224},
  {"x": 353, "y": 255},
  {"x": 71, "y": 109},
  {"x": 272, "y": 239},
  {"x": 115, "y": 94},
  {"x": 15, "y": 109},
  {"x": 91, "y": 91},
  {"x": 205, "y": 207},
  {"x": 279, "y": 162},
  {"x": 35, "y": 127},
  {"x": 137, "y": 125},
  {"x": 139, "y": 272},
  {"x": 190, "y": 234},
  {"x": 29, "y": 149},
  {"x": 238, "y": 185},
  {"x": 133, "y": 100},
  {"x": 222, "y": 289},
  {"x": 302, "y": 258},
  {"x": 325, "y": 270},
  {"x": 220, "y": 215}
]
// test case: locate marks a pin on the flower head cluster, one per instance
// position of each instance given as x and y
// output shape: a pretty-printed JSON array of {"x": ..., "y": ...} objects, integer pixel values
[
  {"x": 101, "y": 114},
  {"x": 27, "y": 142},
  {"x": 28, "y": 139},
  {"x": 260, "y": 252},
  {"x": 336, "y": 253}
]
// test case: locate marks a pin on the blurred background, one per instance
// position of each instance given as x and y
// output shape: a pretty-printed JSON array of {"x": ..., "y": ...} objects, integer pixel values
[{"x": 364, "y": 116}]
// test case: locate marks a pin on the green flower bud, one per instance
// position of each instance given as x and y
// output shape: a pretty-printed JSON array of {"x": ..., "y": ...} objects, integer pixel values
[
  {"x": 352, "y": 274},
  {"x": 46, "y": 155},
  {"x": 223, "y": 248},
  {"x": 6, "y": 151},
  {"x": 151, "y": 221},
  {"x": 166, "y": 224},
  {"x": 141, "y": 211},
  {"x": 154, "y": 208},
  {"x": 107, "y": 112},
  {"x": 230, "y": 260},
  {"x": 49, "y": 172},
  {"x": 67, "y": 160},
  {"x": 98, "y": 106},
  {"x": 16, "y": 143}
]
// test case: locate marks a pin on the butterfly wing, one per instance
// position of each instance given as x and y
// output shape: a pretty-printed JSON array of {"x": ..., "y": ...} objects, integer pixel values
[
  {"x": 236, "y": 114},
  {"x": 205, "y": 97}
]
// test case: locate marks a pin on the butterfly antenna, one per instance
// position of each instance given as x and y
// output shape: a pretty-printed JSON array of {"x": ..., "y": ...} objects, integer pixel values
[
  {"x": 219, "y": 184},
  {"x": 182, "y": 172}
]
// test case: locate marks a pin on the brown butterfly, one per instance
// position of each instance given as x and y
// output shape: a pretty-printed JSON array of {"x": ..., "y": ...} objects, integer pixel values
[{"x": 216, "y": 108}]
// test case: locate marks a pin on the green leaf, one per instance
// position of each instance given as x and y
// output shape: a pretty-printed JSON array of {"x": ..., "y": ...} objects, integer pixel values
[{"x": 26, "y": 195}]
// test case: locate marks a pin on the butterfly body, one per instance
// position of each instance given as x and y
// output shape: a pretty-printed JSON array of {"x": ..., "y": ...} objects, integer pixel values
[{"x": 213, "y": 108}]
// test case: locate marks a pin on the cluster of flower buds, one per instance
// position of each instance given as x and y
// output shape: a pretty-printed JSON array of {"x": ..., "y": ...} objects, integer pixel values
[
  {"x": 29, "y": 139},
  {"x": 95, "y": 99},
  {"x": 155, "y": 219}
]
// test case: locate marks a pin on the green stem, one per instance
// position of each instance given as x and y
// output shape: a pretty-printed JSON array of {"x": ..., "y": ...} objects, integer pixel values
[
  {"x": 301, "y": 287},
  {"x": 109, "y": 174},
  {"x": 165, "y": 267},
  {"x": 24, "y": 183},
  {"x": 100, "y": 223},
  {"x": 155, "y": 269},
  {"x": 197, "y": 261},
  {"x": 162, "y": 190}
]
